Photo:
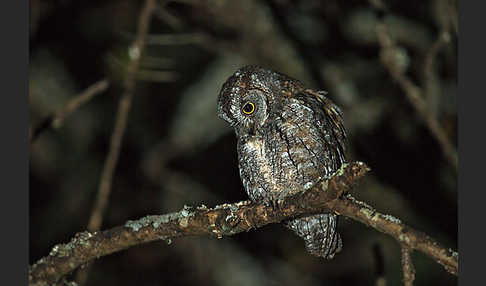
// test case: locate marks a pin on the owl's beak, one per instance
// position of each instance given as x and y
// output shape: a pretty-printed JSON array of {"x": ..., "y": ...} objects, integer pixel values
[{"x": 246, "y": 128}]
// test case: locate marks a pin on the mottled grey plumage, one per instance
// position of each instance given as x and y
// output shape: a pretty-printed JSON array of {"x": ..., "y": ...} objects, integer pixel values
[{"x": 289, "y": 138}]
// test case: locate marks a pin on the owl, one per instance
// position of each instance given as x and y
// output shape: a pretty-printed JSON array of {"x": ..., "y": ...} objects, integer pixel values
[{"x": 289, "y": 138}]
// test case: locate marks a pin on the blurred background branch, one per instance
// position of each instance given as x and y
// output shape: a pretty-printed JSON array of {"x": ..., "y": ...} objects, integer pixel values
[
  {"x": 391, "y": 57},
  {"x": 56, "y": 119},
  {"x": 135, "y": 51}
]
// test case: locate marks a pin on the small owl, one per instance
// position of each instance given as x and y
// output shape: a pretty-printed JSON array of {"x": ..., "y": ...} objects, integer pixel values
[{"x": 289, "y": 138}]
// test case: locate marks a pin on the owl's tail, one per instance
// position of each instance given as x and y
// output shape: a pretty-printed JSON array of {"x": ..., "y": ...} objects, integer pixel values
[{"x": 319, "y": 233}]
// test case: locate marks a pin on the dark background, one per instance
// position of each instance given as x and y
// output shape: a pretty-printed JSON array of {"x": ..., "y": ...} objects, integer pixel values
[{"x": 177, "y": 152}]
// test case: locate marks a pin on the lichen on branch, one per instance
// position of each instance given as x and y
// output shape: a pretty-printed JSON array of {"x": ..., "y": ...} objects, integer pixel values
[{"x": 230, "y": 219}]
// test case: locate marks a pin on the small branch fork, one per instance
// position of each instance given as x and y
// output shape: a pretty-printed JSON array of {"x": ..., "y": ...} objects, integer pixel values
[
  {"x": 230, "y": 219},
  {"x": 56, "y": 119},
  {"x": 415, "y": 95}
]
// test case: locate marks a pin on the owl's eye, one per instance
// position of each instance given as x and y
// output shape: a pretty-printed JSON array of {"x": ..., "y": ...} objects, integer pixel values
[{"x": 248, "y": 108}]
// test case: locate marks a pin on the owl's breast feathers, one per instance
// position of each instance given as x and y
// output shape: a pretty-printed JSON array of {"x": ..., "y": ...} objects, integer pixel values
[{"x": 301, "y": 143}]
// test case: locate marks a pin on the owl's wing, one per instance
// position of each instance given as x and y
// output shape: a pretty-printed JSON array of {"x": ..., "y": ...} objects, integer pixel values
[
  {"x": 334, "y": 120},
  {"x": 312, "y": 128}
]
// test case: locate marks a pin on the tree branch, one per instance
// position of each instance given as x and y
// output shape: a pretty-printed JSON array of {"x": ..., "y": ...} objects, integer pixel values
[
  {"x": 230, "y": 219},
  {"x": 407, "y": 266},
  {"x": 392, "y": 226},
  {"x": 56, "y": 119}
]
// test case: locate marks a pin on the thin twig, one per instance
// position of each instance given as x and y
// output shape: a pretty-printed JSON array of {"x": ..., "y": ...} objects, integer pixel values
[
  {"x": 104, "y": 188},
  {"x": 453, "y": 15},
  {"x": 414, "y": 94},
  {"x": 442, "y": 39},
  {"x": 171, "y": 20},
  {"x": 431, "y": 85},
  {"x": 121, "y": 117},
  {"x": 56, "y": 119},
  {"x": 407, "y": 266},
  {"x": 380, "y": 265},
  {"x": 230, "y": 219}
]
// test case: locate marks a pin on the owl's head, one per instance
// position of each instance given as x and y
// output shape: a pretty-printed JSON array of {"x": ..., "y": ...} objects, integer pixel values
[{"x": 250, "y": 95}]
